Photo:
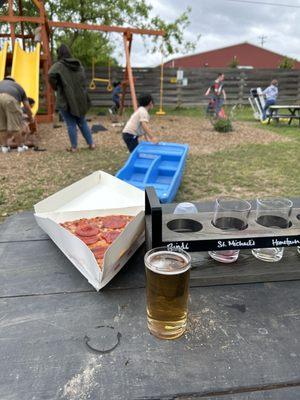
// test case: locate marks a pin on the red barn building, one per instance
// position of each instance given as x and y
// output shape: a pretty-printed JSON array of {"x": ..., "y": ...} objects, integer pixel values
[{"x": 246, "y": 54}]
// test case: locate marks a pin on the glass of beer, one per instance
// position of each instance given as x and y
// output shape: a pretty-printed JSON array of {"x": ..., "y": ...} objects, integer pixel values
[
  {"x": 167, "y": 286},
  {"x": 272, "y": 213},
  {"x": 231, "y": 214}
]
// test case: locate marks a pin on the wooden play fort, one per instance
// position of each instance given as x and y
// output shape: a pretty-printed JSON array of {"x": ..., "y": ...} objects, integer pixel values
[{"x": 26, "y": 55}]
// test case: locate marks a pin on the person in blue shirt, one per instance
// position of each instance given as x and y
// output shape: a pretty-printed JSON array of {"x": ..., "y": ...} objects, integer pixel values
[
  {"x": 271, "y": 94},
  {"x": 116, "y": 95}
]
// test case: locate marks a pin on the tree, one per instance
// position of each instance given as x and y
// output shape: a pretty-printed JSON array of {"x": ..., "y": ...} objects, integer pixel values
[
  {"x": 234, "y": 63},
  {"x": 88, "y": 44},
  {"x": 287, "y": 63},
  {"x": 137, "y": 13}
]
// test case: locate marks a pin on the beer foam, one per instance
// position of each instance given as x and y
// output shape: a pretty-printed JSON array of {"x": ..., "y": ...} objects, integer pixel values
[{"x": 168, "y": 262}]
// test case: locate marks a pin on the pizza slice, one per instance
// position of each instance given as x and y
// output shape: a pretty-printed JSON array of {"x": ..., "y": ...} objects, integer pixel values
[{"x": 98, "y": 233}]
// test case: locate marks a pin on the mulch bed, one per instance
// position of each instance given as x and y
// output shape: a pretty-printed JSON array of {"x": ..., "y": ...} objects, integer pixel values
[{"x": 198, "y": 133}]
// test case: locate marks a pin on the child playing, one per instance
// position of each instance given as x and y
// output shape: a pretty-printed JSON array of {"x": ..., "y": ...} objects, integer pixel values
[
  {"x": 138, "y": 124},
  {"x": 271, "y": 94},
  {"x": 25, "y": 131},
  {"x": 29, "y": 129},
  {"x": 116, "y": 94},
  {"x": 28, "y": 132},
  {"x": 218, "y": 95},
  {"x": 12, "y": 95}
]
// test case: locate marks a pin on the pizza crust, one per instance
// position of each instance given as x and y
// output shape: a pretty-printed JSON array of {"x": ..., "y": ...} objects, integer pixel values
[{"x": 98, "y": 233}]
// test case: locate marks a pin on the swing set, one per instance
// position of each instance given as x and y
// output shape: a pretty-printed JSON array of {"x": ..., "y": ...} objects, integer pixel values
[
  {"x": 92, "y": 85},
  {"x": 161, "y": 92},
  {"x": 16, "y": 21}
]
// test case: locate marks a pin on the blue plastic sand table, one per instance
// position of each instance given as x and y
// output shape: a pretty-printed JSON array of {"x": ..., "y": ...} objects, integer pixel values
[{"x": 158, "y": 165}]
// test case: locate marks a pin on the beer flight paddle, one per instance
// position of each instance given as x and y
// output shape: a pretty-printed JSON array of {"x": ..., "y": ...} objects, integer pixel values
[{"x": 196, "y": 232}]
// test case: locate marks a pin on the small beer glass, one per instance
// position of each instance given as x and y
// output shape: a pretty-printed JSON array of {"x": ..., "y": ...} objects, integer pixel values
[
  {"x": 231, "y": 214},
  {"x": 272, "y": 213},
  {"x": 167, "y": 287}
]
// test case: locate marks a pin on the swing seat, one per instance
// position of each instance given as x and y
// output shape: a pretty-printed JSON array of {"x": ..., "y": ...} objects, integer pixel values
[{"x": 92, "y": 85}]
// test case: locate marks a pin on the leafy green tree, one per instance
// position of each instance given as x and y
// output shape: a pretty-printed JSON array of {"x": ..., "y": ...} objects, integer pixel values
[
  {"x": 287, "y": 63},
  {"x": 135, "y": 13},
  {"x": 87, "y": 45}
]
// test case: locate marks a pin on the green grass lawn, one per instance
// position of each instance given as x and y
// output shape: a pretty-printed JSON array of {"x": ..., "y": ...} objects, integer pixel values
[
  {"x": 247, "y": 171},
  {"x": 255, "y": 169},
  {"x": 252, "y": 170}
]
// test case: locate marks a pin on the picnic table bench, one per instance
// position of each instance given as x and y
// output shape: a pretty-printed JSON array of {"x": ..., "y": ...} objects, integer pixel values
[
  {"x": 60, "y": 339},
  {"x": 289, "y": 112}
]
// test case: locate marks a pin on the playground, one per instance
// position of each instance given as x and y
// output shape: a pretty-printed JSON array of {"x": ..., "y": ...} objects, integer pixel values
[
  {"x": 78, "y": 315},
  {"x": 242, "y": 162}
]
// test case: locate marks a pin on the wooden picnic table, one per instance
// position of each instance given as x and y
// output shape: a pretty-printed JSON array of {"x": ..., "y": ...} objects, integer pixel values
[
  {"x": 60, "y": 339},
  {"x": 289, "y": 112}
]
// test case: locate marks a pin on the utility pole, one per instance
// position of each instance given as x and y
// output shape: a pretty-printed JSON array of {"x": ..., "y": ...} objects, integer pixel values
[{"x": 262, "y": 39}]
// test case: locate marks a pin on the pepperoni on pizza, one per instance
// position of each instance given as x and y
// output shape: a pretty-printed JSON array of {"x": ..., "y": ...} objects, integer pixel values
[{"x": 98, "y": 233}]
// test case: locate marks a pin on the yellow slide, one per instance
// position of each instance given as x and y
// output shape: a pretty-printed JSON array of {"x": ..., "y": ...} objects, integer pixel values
[
  {"x": 3, "y": 54},
  {"x": 26, "y": 71}
]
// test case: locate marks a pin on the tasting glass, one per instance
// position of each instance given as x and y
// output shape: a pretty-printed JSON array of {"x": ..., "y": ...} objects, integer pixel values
[
  {"x": 272, "y": 213},
  {"x": 231, "y": 214}
]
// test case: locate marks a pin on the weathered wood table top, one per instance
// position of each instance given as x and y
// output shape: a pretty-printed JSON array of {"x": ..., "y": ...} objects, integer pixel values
[{"x": 243, "y": 341}]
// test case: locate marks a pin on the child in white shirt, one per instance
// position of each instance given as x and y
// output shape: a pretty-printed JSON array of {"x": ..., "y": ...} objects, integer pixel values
[{"x": 138, "y": 124}]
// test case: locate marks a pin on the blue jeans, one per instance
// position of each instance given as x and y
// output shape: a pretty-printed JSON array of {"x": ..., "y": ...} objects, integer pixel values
[
  {"x": 267, "y": 105},
  {"x": 218, "y": 104},
  {"x": 72, "y": 122}
]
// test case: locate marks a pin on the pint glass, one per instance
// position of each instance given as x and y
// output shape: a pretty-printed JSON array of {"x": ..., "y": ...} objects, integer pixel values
[{"x": 167, "y": 287}]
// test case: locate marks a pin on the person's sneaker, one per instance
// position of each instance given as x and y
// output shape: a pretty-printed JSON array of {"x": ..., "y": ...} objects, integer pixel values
[
  {"x": 5, "y": 149},
  {"x": 21, "y": 149}
]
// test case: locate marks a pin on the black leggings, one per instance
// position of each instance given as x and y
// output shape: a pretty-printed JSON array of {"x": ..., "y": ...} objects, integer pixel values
[{"x": 131, "y": 141}]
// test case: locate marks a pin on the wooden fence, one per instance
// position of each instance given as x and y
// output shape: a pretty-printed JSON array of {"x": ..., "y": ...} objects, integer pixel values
[{"x": 237, "y": 85}]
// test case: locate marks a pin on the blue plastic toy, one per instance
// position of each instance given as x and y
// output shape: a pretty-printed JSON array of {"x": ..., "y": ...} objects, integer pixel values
[{"x": 158, "y": 165}]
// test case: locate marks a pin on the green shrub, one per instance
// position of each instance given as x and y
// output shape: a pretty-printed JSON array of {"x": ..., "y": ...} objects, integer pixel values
[
  {"x": 287, "y": 63},
  {"x": 223, "y": 125},
  {"x": 234, "y": 63}
]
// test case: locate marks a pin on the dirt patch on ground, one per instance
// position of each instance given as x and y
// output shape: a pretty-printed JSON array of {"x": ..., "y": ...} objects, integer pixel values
[
  {"x": 196, "y": 132},
  {"x": 201, "y": 137},
  {"x": 28, "y": 177}
]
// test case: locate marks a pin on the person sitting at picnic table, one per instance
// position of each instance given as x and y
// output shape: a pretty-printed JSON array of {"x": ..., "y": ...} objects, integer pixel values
[{"x": 271, "y": 94}]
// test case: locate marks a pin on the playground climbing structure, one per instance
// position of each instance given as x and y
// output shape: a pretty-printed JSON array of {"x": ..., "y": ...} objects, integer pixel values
[{"x": 16, "y": 30}]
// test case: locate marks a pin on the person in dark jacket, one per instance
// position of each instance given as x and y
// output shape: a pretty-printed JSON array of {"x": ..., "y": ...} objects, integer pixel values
[{"x": 67, "y": 78}]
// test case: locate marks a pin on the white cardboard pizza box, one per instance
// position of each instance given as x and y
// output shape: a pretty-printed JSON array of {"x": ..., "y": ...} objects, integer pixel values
[{"x": 98, "y": 194}]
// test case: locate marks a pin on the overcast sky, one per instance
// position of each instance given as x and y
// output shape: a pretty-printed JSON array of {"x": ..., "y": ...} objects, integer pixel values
[{"x": 223, "y": 23}]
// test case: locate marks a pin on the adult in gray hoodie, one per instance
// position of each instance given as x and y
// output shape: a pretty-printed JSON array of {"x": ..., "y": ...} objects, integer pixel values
[{"x": 67, "y": 78}]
